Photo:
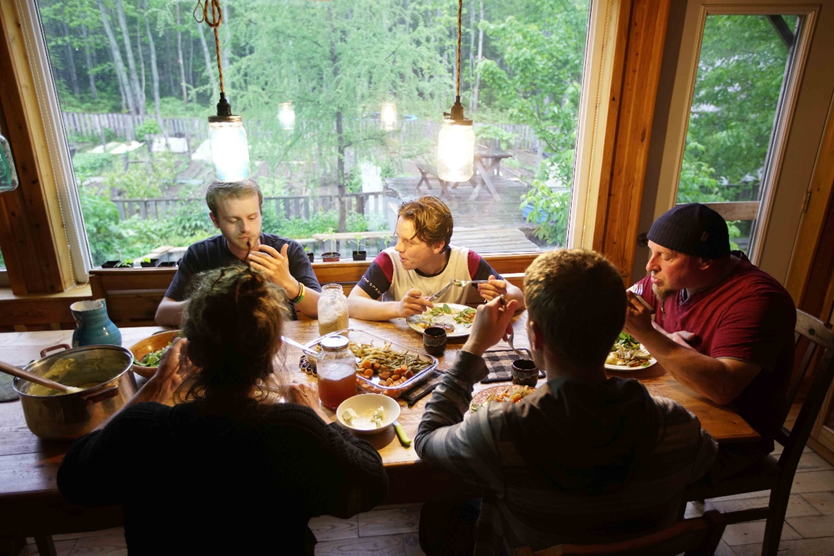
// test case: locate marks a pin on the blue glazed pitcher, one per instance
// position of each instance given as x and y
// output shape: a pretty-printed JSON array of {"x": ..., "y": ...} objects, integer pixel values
[{"x": 92, "y": 325}]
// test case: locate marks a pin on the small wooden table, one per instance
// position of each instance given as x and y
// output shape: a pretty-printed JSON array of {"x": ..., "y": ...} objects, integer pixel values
[{"x": 33, "y": 506}]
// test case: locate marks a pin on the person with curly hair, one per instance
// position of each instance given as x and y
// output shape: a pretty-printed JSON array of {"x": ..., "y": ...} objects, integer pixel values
[{"x": 246, "y": 458}]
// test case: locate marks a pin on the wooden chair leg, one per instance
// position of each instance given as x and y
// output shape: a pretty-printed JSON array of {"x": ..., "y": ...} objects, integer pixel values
[
  {"x": 773, "y": 528},
  {"x": 45, "y": 545}
]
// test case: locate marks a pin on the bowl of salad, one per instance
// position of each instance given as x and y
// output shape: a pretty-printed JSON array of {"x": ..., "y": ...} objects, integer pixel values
[{"x": 146, "y": 353}]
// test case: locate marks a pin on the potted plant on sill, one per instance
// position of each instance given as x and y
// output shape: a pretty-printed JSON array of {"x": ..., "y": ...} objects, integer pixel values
[
  {"x": 310, "y": 255},
  {"x": 125, "y": 264},
  {"x": 360, "y": 254},
  {"x": 331, "y": 256},
  {"x": 149, "y": 263}
]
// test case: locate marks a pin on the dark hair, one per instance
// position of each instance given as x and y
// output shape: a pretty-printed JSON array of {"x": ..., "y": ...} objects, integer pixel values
[
  {"x": 578, "y": 301},
  {"x": 233, "y": 324},
  {"x": 432, "y": 220},
  {"x": 221, "y": 190}
]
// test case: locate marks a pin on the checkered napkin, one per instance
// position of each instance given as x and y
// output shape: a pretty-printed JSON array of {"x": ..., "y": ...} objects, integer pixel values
[
  {"x": 500, "y": 362},
  {"x": 423, "y": 389}
]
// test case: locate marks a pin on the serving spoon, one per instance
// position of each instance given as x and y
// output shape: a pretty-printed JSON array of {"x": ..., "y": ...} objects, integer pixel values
[{"x": 37, "y": 379}]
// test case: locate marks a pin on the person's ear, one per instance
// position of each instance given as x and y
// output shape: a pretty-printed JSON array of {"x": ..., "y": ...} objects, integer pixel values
[
  {"x": 534, "y": 333},
  {"x": 214, "y": 219},
  {"x": 438, "y": 248},
  {"x": 705, "y": 264}
]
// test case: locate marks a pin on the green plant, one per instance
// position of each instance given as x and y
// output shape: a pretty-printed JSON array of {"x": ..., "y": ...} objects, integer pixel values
[
  {"x": 148, "y": 127},
  {"x": 549, "y": 211},
  {"x": 358, "y": 241},
  {"x": 87, "y": 165},
  {"x": 505, "y": 139}
]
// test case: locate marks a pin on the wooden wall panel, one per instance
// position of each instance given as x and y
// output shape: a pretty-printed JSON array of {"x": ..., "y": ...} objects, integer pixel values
[
  {"x": 31, "y": 227},
  {"x": 628, "y": 132}
]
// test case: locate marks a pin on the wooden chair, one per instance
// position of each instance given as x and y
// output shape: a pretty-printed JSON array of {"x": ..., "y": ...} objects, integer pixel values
[
  {"x": 777, "y": 475},
  {"x": 695, "y": 537}
]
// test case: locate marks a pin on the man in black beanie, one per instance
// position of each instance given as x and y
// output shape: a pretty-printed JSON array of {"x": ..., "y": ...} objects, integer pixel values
[{"x": 722, "y": 326}]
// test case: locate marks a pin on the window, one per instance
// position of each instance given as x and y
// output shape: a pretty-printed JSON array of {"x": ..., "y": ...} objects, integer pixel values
[{"x": 136, "y": 82}]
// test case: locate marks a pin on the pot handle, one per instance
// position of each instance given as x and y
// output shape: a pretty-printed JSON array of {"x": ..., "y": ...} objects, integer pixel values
[
  {"x": 53, "y": 348},
  {"x": 96, "y": 397}
]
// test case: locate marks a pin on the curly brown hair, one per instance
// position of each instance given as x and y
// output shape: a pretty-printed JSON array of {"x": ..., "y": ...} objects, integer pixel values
[
  {"x": 233, "y": 323},
  {"x": 243, "y": 189},
  {"x": 432, "y": 220},
  {"x": 578, "y": 300}
]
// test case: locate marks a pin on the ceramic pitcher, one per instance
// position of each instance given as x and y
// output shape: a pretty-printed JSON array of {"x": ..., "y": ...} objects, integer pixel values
[{"x": 92, "y": 324}]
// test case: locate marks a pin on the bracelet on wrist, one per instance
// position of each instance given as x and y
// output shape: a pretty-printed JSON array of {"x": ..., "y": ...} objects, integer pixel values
[{"x": 301, "y": 291}]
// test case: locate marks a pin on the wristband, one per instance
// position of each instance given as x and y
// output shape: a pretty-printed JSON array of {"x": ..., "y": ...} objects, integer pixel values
[{"x": 301, "y": 292}]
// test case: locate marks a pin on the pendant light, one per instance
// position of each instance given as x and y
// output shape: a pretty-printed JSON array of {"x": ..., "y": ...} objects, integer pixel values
[
  {"x": 388, "y": 116},
  {"x": 227, "y": 137},
  {"x": 456, "y": 142},
  {"x": 286, "y": 116}
]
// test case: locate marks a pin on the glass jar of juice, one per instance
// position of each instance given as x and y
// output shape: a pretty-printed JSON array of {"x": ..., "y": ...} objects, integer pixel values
[
  {"x": 333, "y": 309},
  {"x": 337, "y": 371}
]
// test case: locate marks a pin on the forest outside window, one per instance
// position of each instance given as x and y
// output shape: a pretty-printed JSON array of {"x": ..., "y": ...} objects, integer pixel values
[{"x": 137, "y": 78}]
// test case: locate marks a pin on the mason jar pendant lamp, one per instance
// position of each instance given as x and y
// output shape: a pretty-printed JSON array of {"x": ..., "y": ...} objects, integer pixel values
[
  {"x": 227, "y": 137},
  {"x": 388, "y": 116},
  {"x": 456, "y": 142},
  {"x": 286, "y": 116}
]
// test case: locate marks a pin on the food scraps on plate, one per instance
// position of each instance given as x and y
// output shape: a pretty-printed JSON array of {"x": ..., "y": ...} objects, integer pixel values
[
  {"x": 628, "y": 352},
  {"x": 512, "y": 394},
  {"x": 369, "y": 420}
]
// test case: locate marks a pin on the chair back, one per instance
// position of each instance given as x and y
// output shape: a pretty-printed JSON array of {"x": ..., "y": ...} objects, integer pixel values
[
  {"x": 695, "y": 537},
  {"x": 820, "y": 349}
]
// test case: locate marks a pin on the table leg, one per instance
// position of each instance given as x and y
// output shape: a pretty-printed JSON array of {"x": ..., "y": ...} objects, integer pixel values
[{"x": 486, "y": 179}]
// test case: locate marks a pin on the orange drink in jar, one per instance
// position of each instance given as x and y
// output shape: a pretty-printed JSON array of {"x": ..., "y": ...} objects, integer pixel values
[{"x": 337, "y": 372}]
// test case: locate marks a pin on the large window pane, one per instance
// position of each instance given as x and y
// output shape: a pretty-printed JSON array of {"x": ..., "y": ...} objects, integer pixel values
[
  {"x": 741, "y": 75},
  {"x": 136, "y": 81}
]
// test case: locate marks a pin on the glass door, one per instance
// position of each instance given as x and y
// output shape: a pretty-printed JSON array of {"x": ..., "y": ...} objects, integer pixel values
[{"x": 743, "y": 97}]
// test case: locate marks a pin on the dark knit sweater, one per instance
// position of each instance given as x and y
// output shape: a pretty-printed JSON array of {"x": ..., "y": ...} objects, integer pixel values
[{"x": 191, "y": 483}]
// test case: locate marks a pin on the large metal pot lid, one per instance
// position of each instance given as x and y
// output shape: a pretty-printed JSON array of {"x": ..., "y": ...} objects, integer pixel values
[{"x": 88, "y": 367}]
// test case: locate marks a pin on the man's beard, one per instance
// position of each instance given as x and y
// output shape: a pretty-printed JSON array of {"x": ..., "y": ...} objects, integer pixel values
[{"x": 662, "y": 294}]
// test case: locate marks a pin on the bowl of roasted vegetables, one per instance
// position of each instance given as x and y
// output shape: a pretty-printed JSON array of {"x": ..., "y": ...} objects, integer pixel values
[{"x": 146, "y": 354}]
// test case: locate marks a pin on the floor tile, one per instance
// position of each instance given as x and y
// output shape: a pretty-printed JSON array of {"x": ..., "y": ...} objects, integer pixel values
[
  {"x": 822, "y": 501},
  {"x": 389, "y": 522},
  {"x": 801, "y": 547},
  {"x": 812, "y": 462},
  {"x": 797, "y": 505},
  {"x": 752, "y": 532},
  {"x": 102, "y": 545},
  {"x": 391, "y": 545},
  {"x": 723, "y": 549},
  {"x": 411, "y": 543},
  {"x": 63, "y": 548},
  {"x": 810, "y": 527},
  {"x": 329, "y": 528},
  {"x": 813, "y": 481}
]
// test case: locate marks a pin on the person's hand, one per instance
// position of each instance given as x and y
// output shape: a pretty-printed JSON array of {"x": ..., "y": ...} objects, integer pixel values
[
  {"x": 493, "y": 322},
  {"x": 638, "y": 318},
  {"x": 413, "y": 303},
  {"x": 685, "y": 338},
  {"x": 276, "y": 266},
  {"x": 492, "y": 289},
  {"x": 303, "y": 393},
  {"x": 174, "y": 367}
]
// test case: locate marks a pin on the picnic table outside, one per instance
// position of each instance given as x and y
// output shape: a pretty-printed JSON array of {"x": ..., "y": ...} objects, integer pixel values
[{"x": 487, "y": 165}]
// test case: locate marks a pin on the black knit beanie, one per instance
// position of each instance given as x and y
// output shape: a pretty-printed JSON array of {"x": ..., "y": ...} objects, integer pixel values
[{"x": 693, "y": 229}]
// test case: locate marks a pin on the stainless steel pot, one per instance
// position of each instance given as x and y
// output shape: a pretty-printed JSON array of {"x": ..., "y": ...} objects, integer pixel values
[{"x": 68, "y": 416}]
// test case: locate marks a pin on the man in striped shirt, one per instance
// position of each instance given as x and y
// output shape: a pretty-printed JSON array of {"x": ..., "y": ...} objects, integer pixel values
[{"x": 585, "y": 458}]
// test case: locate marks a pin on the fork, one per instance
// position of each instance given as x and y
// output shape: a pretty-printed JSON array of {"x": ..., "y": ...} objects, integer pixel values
[
  {"x": 441, "y": 291},
  {"x": 511, "y": 335},
  {"x": 637, "y": 289},
  {"x": 464, "y": 283}
]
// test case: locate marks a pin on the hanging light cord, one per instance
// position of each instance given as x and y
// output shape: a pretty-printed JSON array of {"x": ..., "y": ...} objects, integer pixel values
[
  {"x": 457, "y": 68},
  {"x": 216, "y": 19}
]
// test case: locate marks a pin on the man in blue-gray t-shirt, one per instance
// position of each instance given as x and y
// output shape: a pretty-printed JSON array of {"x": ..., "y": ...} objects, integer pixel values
[{"x": 235, "y": 209}]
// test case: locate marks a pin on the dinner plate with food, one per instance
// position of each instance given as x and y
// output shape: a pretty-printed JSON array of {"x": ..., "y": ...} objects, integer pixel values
[
  {"x": 627, "y": 354},
  {"x": 512, "y": 393},
  {"x": 455, "y": 319}
]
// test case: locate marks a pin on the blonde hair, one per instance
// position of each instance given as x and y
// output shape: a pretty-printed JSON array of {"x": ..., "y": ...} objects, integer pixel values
[{"x": 221, "y": 190}]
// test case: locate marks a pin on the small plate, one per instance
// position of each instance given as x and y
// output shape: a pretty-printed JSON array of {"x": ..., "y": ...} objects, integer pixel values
[
  {"x": 460, "y": 330},
  {"x": 480, "y": 397},
  {"x": 627, "y": 369}
]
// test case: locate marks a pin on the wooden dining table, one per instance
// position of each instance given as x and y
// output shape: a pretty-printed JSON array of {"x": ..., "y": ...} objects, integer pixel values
[{"x": 33, "y": 506}]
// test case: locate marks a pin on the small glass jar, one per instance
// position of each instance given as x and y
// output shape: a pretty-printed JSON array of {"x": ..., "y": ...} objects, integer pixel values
[
  {"x": 333, "y": 309},
  {"x": 337, "y": 371}
]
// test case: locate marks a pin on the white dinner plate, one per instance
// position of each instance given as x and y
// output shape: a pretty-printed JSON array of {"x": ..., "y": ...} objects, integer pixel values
[
  {"x": 460, "y": 331},
  {"x": 626, "y": 369}
]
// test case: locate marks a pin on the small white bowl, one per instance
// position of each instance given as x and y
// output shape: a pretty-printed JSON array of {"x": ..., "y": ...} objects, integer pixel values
[{"x": 363, "y": 403}]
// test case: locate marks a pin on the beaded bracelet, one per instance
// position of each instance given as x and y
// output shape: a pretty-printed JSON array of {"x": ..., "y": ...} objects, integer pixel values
[{"x": 301, "y": 291}]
